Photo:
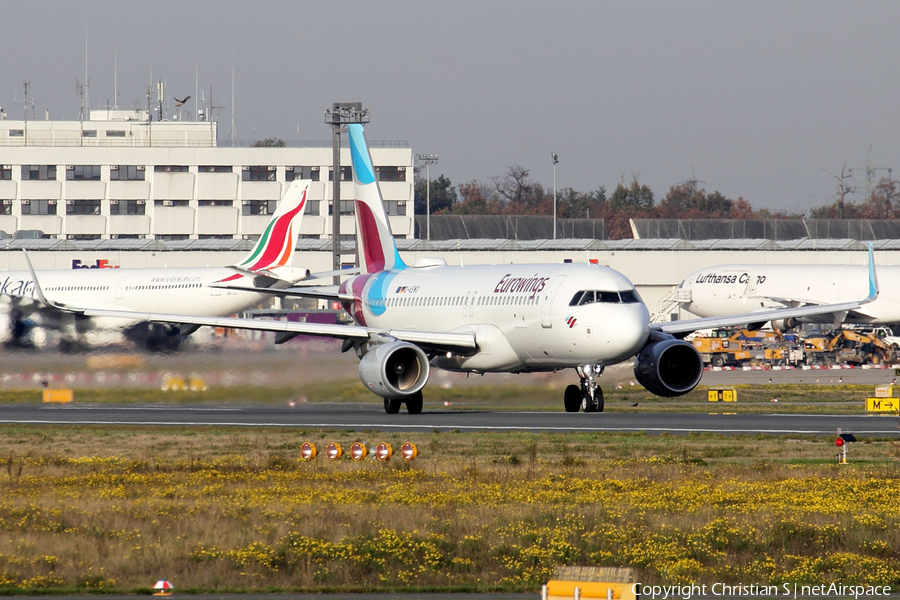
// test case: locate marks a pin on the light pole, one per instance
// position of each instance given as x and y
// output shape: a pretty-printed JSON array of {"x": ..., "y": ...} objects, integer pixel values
[
  {"x": 340, "y": 115},
  {"x": 555, "y": 160},
  {"x": 428, "y": 159}
]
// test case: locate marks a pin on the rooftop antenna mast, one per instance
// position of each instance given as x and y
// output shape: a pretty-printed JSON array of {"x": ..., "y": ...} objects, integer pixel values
[
  {"x": 232, "y": 133},
  {"x": 83, "y": 89},
  {"x": 116, "y": 78}
]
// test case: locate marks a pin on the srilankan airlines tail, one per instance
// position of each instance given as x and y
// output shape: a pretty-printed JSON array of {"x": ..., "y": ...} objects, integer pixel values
[
  {"x": 275, "y": 248},
  {"x": 376, "y": 242}
]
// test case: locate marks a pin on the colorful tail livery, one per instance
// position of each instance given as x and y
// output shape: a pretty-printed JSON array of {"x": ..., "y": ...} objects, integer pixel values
[
  {"x": 275, "y": 247},
  {"x": 377, "y": 249}
]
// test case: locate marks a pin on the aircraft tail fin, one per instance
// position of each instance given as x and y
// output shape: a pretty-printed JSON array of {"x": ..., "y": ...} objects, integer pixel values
[
  {"x": 275, "y": 247},
  {"x": 375, "y": 240}
]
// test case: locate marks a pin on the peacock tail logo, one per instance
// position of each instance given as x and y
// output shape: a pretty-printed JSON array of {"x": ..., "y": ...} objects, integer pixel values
[{"x": 276, "y": 244}]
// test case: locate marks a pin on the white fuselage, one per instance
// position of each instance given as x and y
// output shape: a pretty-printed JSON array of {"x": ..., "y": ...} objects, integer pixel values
[
  {"x": 734, "y": 289},
  {"x": 521, "y": 315},
  {"x": 182, "y": 290}
]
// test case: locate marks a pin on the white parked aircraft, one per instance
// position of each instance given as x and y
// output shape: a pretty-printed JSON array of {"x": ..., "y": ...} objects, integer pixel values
[
  {"x": 188, "y": 289},
  {"x": 490, "y": 318},
  {"x": 729, "y": 289}
]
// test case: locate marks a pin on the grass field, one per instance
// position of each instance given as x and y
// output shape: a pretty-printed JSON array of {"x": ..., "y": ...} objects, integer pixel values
[
  {"x": 114, "y": 509},
  {"x": 537, "y": 396}
]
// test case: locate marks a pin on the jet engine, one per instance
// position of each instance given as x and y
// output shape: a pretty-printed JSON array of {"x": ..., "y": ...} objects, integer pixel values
[
  {"x": 783, "y": 325},
  {"x": 668, "y": 367},
  {"x": 395, "y": 370}
]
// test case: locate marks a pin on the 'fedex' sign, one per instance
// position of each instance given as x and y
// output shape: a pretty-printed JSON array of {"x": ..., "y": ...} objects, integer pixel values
[{"x": 101, "y": 263}]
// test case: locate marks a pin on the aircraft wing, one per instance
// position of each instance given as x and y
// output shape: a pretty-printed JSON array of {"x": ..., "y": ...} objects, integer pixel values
[
  {"x": 324, "y": 292},
  {"x": 463, "y": 342},
  {"x": 690, "y": 325},
  {"x": 762, "y": 316}
]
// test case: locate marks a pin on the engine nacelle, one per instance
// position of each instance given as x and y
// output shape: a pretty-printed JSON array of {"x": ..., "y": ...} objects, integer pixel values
[
  {"x": 783, "y": 325},
  {"x": 668, "y": 367},
  {"x": 395, "y": 370}
]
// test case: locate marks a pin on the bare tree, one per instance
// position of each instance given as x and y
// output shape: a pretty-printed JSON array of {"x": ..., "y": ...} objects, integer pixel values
[{"x": 843, "y": 188}]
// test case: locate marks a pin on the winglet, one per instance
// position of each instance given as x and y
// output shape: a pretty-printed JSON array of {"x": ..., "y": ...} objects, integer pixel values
[
  {"x": 37, "y": 286},
  {"x": 873, "y": 278}
]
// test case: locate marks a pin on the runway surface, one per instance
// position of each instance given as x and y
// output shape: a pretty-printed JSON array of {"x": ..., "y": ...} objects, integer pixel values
[{"x": 358, "y": 417}]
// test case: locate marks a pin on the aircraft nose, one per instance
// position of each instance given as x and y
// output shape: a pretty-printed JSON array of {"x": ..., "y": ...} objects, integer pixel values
[{"x": 629, "y": 331}]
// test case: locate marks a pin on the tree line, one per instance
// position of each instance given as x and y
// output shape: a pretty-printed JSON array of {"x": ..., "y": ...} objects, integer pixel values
[{"x": 515, "y": 193}]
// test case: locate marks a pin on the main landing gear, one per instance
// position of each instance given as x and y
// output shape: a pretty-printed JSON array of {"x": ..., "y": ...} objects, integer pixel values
[
  {"x": 588, "y": 396},
  {"x": 413, "y": 405}
]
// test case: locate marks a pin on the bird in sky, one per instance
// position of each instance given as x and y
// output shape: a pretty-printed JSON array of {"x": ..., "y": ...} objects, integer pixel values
[{"x": 180, "y": 102}]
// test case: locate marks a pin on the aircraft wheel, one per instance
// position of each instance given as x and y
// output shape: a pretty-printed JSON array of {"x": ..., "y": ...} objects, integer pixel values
[
  {"x": 572, "y": 398},
  {"x": 392, "y": 407},
  {"x": 414, "y": 404},
  {"x": 587, "y": 403},
  {"x": 598, "y": 400}
]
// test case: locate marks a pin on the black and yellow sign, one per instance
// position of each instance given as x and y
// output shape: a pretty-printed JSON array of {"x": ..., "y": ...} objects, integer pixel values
[
  {"x": 722, "y": 395},
  {"x": 891, "y": 405}
]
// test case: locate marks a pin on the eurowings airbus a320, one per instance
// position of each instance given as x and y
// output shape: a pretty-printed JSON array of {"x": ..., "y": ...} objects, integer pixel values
[
  {"x": 491, "y": 318},
  {"x": 191, "y": 289}
]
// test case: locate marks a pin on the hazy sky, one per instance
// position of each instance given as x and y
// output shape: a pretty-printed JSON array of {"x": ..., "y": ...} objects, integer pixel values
[{"x": 757, "y": 98}]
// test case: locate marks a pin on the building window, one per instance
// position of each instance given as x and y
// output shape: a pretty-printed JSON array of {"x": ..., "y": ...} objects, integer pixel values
[
  {"x": 258, "y": 173},
  {"x": 83, "y": 207},
  {"x": 215, "y": 236},
  {"x": 83, "y": 236},
  {"x": 346, "y": 174},
  {"x": 6, "y": 172},
  {"x": 348, "y": 207},
  {"x": 170, "y": 168},
  {"x": 215, "y": 202},
  {"x": 394, "y": 208},
  {"x": 171, "y": 203},
  {"x": 89, "y": 133},
  {"x": 16, "y": 133},
  {"x": 127, "y": 207},
  {"x": 39, "y": 207},
  {"x": 115, "y": 133},
  {"x": 312, "y": 207},
  {"x": 292, "y": 173},
  {"x": 126, "y": 236},
  {"x": 258, "y": 207},
  {"x": 83, "y": 173},
  {"x": 215, "y": 168},
  {"x": 126, "y": 173},
  {"x": 173, "y": 237},
  {"x": 38, "y": 172},
  {"x": 391, "y": 173},
  {"x": 6, "y": 207}
]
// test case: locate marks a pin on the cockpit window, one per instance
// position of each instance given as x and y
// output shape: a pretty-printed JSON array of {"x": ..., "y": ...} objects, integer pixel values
[{"x": 590, "y": 296}]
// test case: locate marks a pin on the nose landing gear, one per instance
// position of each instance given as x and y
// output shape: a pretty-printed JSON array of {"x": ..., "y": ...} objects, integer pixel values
[{"x": 588, "y": 396}]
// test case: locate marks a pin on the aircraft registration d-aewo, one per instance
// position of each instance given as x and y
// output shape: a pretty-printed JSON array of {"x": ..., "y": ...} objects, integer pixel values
[
  {"x": 490, "y": 318},
  {"x": 191, "y": 289}
]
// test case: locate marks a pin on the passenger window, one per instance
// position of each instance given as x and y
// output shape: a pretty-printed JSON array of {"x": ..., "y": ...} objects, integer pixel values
[{"x": 608, "y": 297}]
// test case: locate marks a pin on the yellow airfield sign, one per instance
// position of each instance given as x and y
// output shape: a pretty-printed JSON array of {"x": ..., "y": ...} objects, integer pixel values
[{"x": 891, "y": 405}]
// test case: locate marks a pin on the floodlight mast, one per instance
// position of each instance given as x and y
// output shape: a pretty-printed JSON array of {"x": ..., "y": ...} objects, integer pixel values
[
  {"x": 555, "y": 160},
  {"x": 339, "y": 116},
  {"x": 428, "y": 159}
]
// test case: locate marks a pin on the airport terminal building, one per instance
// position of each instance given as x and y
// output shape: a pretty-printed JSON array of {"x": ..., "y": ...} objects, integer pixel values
[{"x": 121, "y": 175}]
